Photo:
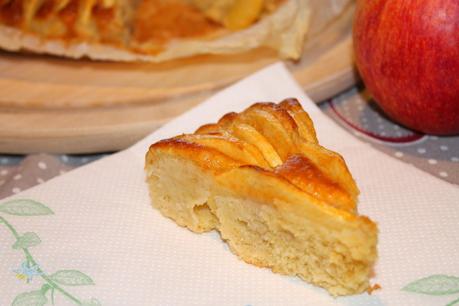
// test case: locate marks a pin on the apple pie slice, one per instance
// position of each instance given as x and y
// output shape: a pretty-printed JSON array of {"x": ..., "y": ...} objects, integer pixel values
[{"x": 278, "y": 198}]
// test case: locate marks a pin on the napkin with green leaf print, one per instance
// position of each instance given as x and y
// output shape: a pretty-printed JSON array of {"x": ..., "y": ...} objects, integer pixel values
[{"x": 91, "y": 237}]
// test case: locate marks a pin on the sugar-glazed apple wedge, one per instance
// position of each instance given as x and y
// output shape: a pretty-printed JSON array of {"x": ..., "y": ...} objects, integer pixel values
[
  {"x": 331, "y": 164},
  {"x": 301, "y": 172},
  {"x": 302, "y": 119},
  {"x": 267, "y": 124},
  {"x": 229, "y": 124},
  {"x": 235, "y": 148},
  {"x": 249, "y": 134}
]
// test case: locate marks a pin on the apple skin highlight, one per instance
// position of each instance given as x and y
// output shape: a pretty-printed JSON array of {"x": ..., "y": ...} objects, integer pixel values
[{"x": 407, "y": 53}]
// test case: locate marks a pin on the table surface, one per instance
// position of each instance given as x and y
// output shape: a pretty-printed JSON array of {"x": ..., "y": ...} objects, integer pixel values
[{"x": 352, "y": 109}]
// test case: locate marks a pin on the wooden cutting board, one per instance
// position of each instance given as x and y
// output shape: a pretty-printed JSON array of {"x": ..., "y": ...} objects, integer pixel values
[{"x": 58, "y": 105}]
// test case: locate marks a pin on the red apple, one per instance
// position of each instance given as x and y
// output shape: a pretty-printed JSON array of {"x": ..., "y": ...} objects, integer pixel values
[{"x": 407, "y": 52}]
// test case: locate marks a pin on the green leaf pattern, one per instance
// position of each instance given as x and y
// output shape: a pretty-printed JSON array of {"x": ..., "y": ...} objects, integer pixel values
[
  {"x": 25, "y": 207},
  {"x": 92, "y": 302},
  {"x": 435, "y": 285},
  {"x": 27, "y": 240},
  {"x": 438, "y": 284},
  {"x": 52, "y": 283},
  {"x": 32, "y": 298},
  {"x": 71, "y": 278}
]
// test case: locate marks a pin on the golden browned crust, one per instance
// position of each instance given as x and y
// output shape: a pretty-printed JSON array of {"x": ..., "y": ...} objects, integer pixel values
[
  {"x": 207, "y": 158},
  {"x": 287, "y": 129}
]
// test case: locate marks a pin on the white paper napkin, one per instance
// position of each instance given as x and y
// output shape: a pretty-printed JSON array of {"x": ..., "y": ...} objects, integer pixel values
[{"x": 104, "y": 244}]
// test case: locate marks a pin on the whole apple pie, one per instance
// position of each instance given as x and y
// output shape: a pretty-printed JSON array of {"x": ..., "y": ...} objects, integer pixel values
[
  {"x": 158, "y": 30},
  {"x": 278, "y": 198}
]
